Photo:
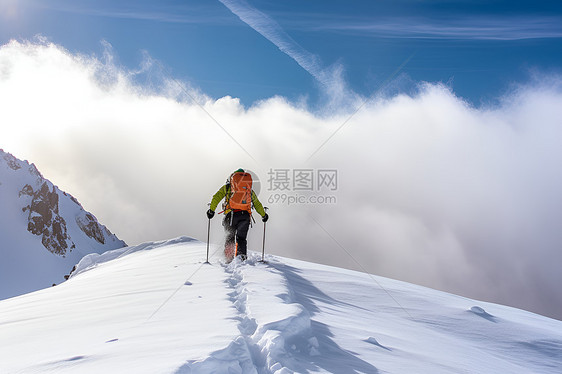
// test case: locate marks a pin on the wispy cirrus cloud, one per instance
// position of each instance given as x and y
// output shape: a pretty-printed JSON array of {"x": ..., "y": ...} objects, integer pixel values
[
  {"x": 183, "y": 13},
  {"x": 329, "y": 77},
  {"x": 469, "y": 28}
]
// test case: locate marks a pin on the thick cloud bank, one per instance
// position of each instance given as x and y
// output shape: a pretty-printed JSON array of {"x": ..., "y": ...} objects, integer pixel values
[{"x": 429, "y": 189}]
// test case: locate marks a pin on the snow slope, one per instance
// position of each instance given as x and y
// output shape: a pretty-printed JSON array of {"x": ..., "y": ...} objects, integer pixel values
[
  {"x": 44, "y": 231},
  {"x": 157, "y": 308}
]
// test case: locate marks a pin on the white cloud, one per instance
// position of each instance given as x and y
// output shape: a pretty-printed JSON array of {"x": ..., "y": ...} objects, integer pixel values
[{"x": 431, "y": 190}]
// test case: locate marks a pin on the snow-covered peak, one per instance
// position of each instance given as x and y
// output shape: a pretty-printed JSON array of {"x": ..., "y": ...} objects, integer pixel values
[
  {"x": 43, "y": 230},
  {"x": 158, "y": 308}
]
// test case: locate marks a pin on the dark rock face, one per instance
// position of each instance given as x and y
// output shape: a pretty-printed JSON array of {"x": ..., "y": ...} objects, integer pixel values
[
  {"x": 27, "y": 190},
  {"x": 44, "y": 219},
  {"x": 91, "y": 227}
]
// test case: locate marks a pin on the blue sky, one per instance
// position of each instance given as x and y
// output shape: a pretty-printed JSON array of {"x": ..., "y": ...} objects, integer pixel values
[{"x": 478, "y": 48}]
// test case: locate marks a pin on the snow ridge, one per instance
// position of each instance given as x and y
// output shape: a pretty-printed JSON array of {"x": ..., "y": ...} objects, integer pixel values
[
  {"x": 286, "y": 316},
  {"x": 92, "y": 260}
]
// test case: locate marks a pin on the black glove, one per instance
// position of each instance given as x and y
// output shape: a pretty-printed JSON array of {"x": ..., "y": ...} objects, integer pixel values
[
  {"x": 265, "y": 218},
  {"x": 210, "y": 214}
]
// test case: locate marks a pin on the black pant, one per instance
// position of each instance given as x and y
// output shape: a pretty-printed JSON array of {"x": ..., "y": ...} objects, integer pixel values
[{"x": 236, "y": 225}]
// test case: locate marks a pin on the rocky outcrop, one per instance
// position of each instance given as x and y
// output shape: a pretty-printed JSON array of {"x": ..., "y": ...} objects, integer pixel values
[
  {"x": 90, "y": 226},
  {"x": 44, "y": 219},
  {"x": 27, "y": 190}
]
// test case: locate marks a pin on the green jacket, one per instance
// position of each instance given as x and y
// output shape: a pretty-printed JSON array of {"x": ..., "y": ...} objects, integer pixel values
[{"x": 225, "y": 191}]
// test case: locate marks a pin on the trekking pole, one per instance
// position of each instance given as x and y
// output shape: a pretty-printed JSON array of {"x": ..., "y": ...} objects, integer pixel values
[
  {"x": 208, "y": 239},
  {"x": 263, "y": 249}
]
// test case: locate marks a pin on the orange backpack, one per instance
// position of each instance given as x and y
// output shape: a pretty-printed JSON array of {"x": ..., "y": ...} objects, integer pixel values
[{"x": 241, "y": 192}]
